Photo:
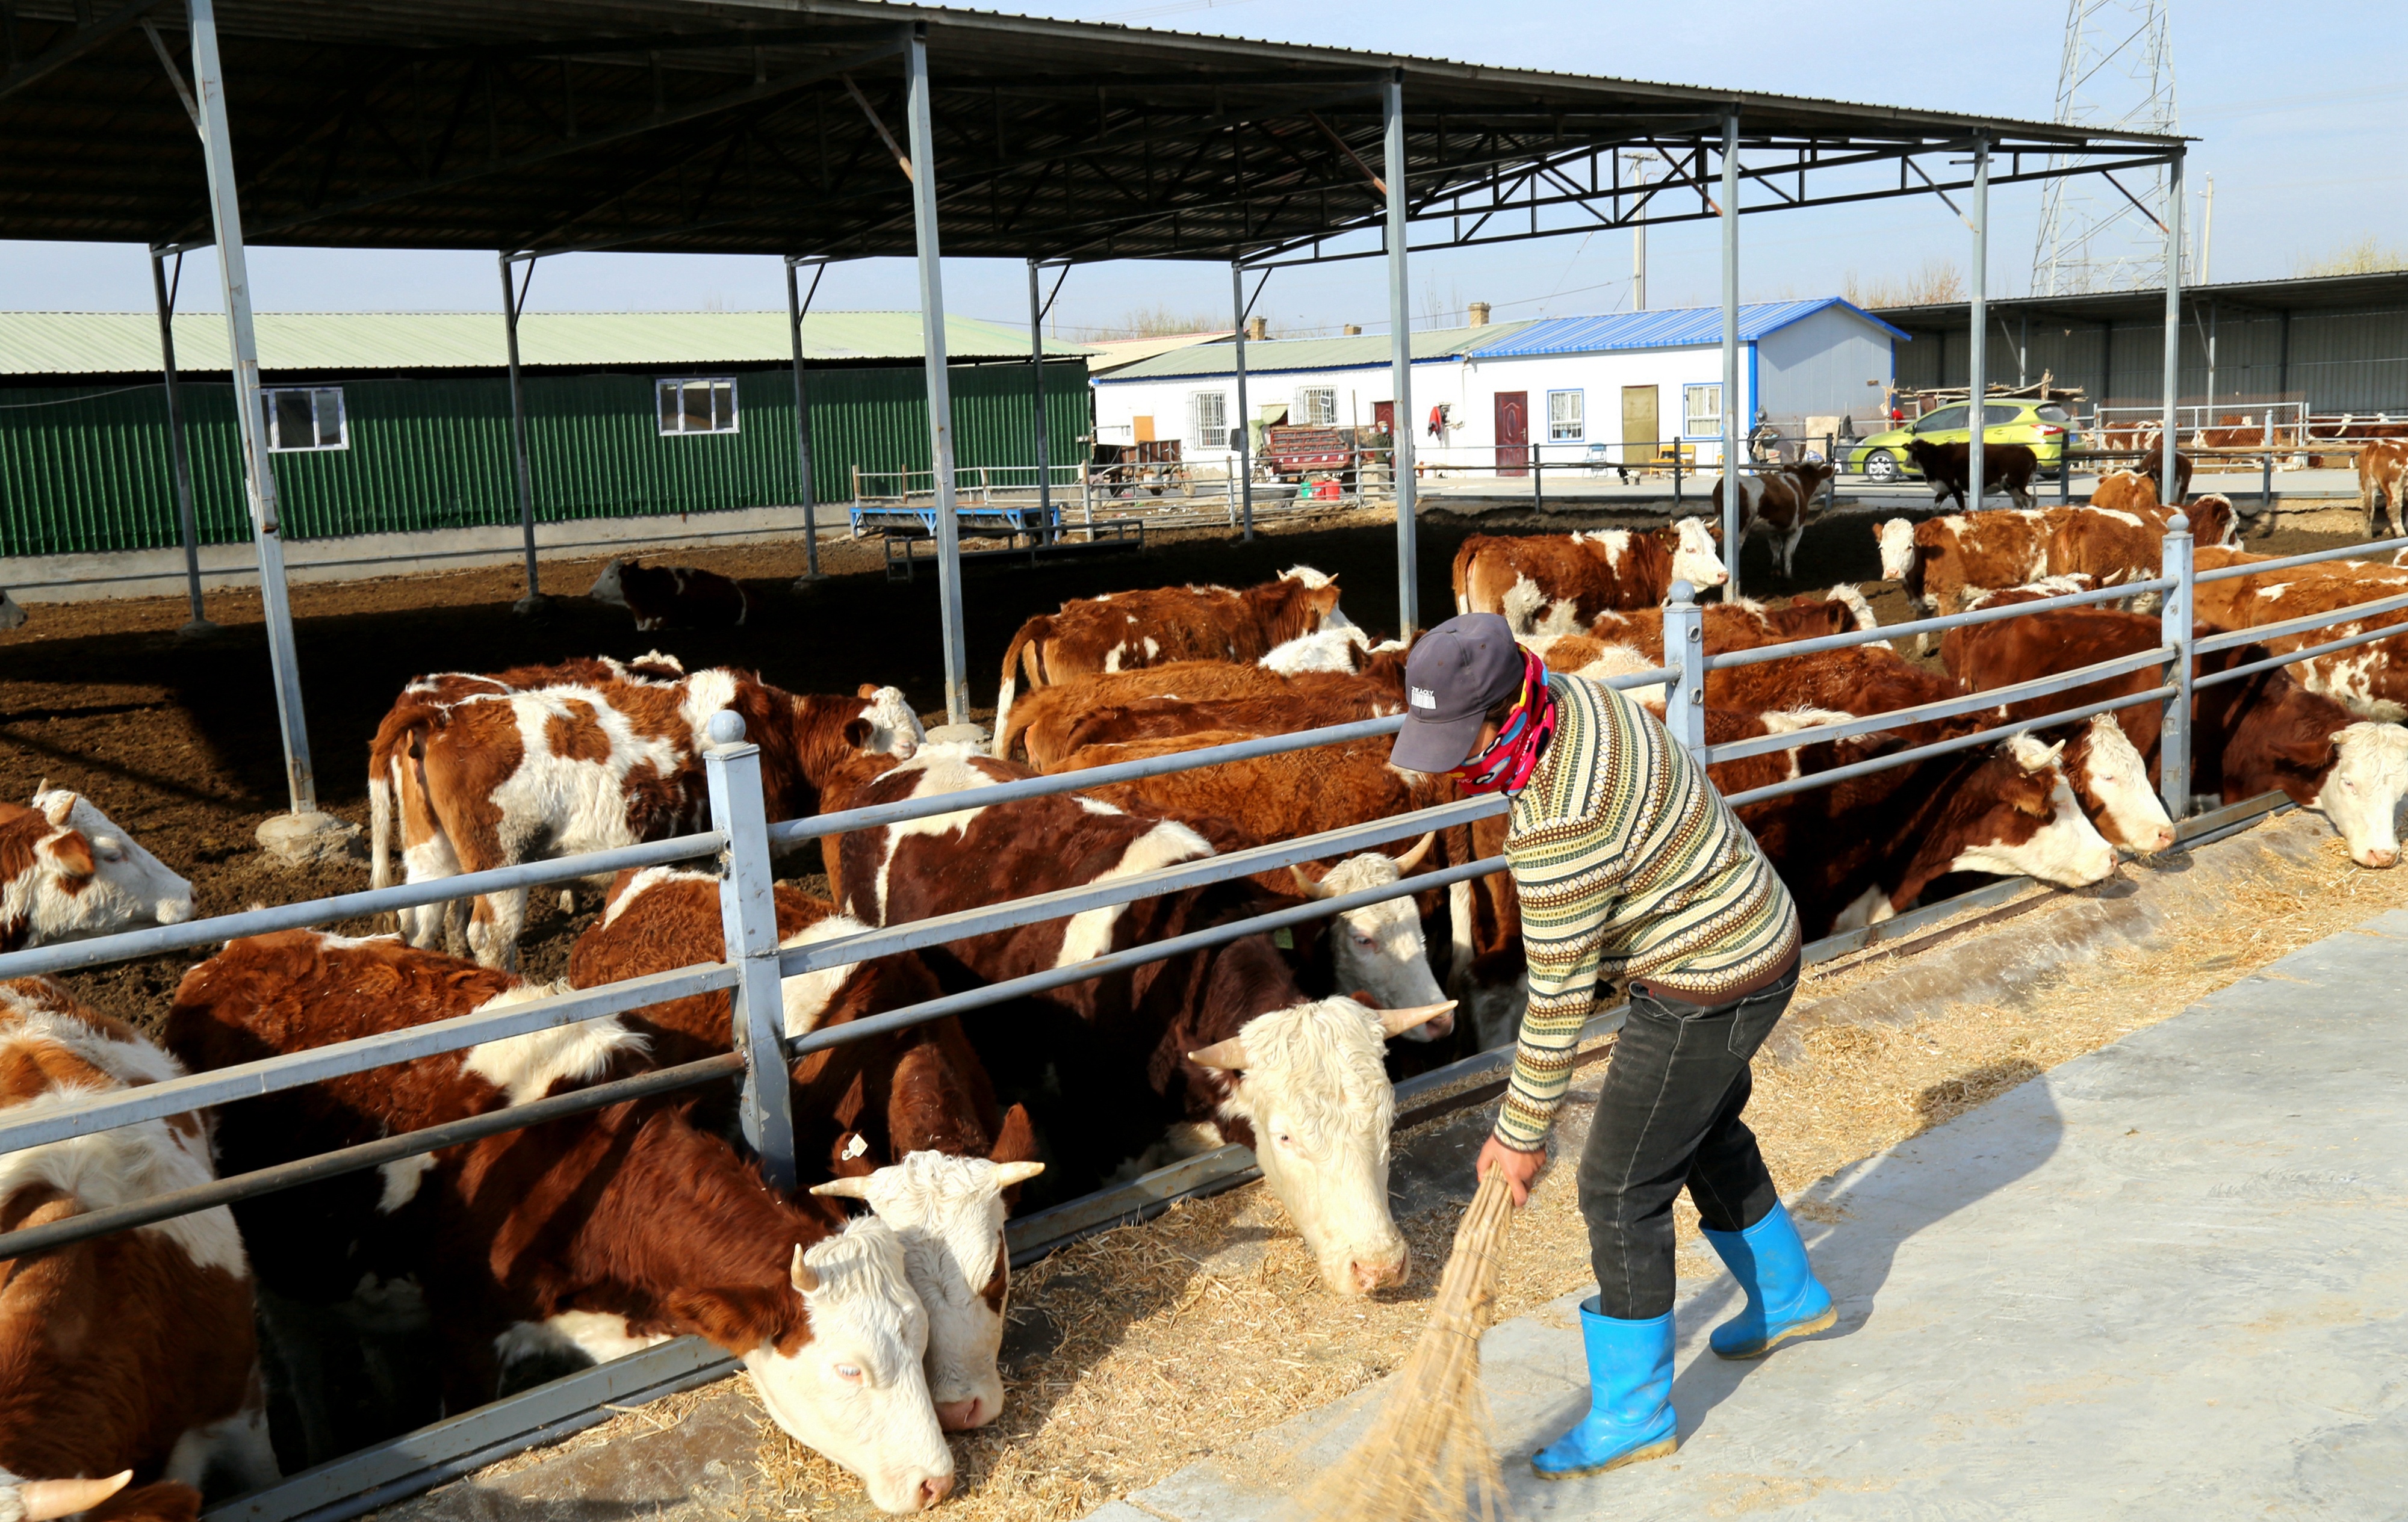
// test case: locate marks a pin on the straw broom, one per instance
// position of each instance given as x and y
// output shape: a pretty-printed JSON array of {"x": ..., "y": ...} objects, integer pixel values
[{"x": 1426, "y": 1458}]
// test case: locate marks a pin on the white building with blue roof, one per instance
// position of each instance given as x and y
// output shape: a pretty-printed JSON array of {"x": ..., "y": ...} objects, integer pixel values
[{"x": 1618, "y": 388}]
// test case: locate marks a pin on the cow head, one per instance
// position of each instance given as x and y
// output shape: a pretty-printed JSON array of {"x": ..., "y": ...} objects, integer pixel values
[
  {"x": 891, "y": 728},
  {"x": 1378, "y": 951},
  {"x": 2113, "y": 784},
  {"x": 2361, "y": 793},
  {"x": 606, "y": 587},
  {"x": 1694, "y": 560},
  {"x": 1322, "y": 599},
  {"x": 949, "y": 1212},
  {"x": 2034, "y": 827},
  {"x": 852, "y": 1386},
  {"x": 1311, "y": 1082},
  {"x": 67, "y": 872},
  {"x": 1897, "y": 540}
]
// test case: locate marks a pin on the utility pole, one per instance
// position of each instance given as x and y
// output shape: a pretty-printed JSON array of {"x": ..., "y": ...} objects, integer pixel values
[
  {"x": 1639, "y": 162},
  {"x": 2207, "y": 231}
]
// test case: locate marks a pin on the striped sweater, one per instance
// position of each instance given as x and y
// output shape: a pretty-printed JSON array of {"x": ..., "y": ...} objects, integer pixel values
[{"x": 1629, "y": 864}]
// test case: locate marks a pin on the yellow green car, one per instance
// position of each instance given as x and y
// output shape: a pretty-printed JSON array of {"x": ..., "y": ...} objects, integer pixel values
[{"x": 2044, "y": 426}]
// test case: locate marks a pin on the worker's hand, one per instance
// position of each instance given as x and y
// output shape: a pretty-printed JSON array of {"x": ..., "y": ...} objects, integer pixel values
[{"x": 1519, "y": 1168}]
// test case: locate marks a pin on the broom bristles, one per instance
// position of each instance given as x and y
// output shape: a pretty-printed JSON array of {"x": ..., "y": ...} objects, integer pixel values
[{"x": 1428, "y": 1455}]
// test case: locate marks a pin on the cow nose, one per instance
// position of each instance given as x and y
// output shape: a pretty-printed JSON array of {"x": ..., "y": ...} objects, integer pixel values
[
  {"x": 1379, "y": 1272},
  {"x": 961, "y": 1416},
  {"x": 2159, "y": 841},
  {"x": 2376, "y": 856},
  {"x": 175, "y": 911},
  {"x": 934, "y": 1488}
]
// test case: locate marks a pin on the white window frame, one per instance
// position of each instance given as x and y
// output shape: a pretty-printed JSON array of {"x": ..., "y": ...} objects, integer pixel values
[
  {"x": 719, "y": 384},
  {"x": 1691, "y": 393},
  {"x": 1327, "y": 411},
  {"x": 318, "y": 395},
  {"x": 1208, "y": 435},
  {"x": 1579, "y": 425}
]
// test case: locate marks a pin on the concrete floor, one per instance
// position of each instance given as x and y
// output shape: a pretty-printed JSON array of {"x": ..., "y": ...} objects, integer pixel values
[{"x": 2158, "y": 1280}]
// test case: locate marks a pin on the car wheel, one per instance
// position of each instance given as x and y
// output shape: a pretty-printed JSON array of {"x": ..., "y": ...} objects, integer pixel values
[{"x": 1882, "y": 465}]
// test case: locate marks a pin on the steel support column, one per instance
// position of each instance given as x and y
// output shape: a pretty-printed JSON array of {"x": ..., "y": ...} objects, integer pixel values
[
  {"x": 259, "y": 478},
  {"x": 1245, "y": 429},
  {"x": 180, "y": 461},
  {"x": 1977, "y": 362},
  {"x": 2173, "y": 322},
  {"x": 748, "y": 915},
  {"x": 514, "y": 302},
  {"x": 1400, "y": 350},
  {"x": 940, "y": 394},
  {"x": 796, "y": 304},
  {"x": 1735, "y": 428},
  {"x": 1037, "y": 377},
  {"x": 2174, "y": 741}
]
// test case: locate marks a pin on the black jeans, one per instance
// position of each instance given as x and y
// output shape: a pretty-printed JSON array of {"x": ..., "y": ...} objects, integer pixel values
[{"x": 1669, "y": 1116}]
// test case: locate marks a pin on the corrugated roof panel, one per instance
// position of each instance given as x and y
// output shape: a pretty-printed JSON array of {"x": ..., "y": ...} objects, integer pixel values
[
  {"x": 119, "y": 343},
  {"x": 1264, "y": 356},
  {"x": 1676, "y": 327}
]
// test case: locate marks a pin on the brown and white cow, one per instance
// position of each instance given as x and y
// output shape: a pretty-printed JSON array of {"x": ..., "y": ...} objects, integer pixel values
[
  {"x": 907, "y": 1121},
  {"x": 1777, "y": 502},
  {"x": 2372, "y": 680},
  {"x": 1949, "y": 469},
  {"x": 488, "y": 778},
  {"x": 2383, "y": 477},
  {"x": 599, "y": 1234},
  {"x": 672, "y": 596},
  {"x": 2113, "y": 546},
  {"x": 1125, "y": 631},
  {"x": 2260, "y": 733},
  {"x": 1044, "y": 724},
  {"x": 67, "y": 872},
  {"x": 1220, "y": 1037},
  {"x": 131, "y": 1352},
  {"x": 1558, "y": 583},
  {"x": 1938, "y": 561},
  {"x": 1741, "y": 625}
]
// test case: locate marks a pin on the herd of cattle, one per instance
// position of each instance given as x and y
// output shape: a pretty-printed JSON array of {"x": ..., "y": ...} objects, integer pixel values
[{"x": 870, "y": 1334}]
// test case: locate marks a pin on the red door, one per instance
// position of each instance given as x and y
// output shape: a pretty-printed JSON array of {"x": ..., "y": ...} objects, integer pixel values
[
  {"x": 1384, "y": 417},
  {"x": 1513, "y": 433}
]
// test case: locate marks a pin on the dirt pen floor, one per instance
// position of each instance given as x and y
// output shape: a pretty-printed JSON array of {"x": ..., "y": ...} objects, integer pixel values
[{"x": 1137, "y": 1351}]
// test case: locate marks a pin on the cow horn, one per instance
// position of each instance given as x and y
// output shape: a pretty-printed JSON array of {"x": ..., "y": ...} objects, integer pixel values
[
  {"x": 1395, "y": 1022},
  {"x": 805, "y": 1279},
  {"x": 44, "y": 1499},
  {"x": 843, "y": 1189},
  {"x": 1009, "y": 1173},
  {"x": 1305, "y": 883},
  {"x": 1412, "y": 859},
  {"x": 1228, "y": 1056}
]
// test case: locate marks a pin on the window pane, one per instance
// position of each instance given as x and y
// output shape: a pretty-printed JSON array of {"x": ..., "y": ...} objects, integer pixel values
[
  {"x": 1701, "y": 409},
  {"x": 1996, "y": 413},
  {"x": 723, "y": 399},
  {"x": 698, "y": 407},
  {"x": 1319, "y": 405},
  {"x": 1563, "y": 415},
  {"x": 1942, "y": 421},
  {"x": 2053, "y": 413},
  {"x": 330, "y": 419},
  {"x": 294, "y": 428},
  {"x": 669, "y": 394}
]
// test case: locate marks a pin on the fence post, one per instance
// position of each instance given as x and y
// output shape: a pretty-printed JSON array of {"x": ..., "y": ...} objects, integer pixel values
[
  {"x": 2173, "y": 756},
  {"x": 1676, "y": 475},
  {"x": 2266, "y": 480},
  {"x": 1537, "y": 477},
  {"x": 1685, "y": 651},
  {"x": 748, "y": 912}
]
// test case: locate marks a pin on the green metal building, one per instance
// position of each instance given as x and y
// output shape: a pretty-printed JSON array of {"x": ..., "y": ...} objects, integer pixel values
[{"x": 385, "y": 423}]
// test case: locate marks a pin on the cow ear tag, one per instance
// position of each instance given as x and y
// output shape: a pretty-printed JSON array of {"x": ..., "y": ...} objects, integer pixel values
[{"x": 1285, "y": 939}]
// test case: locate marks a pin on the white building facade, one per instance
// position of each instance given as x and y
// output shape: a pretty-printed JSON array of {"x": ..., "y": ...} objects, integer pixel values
[{"x": 1582, "y": 391}]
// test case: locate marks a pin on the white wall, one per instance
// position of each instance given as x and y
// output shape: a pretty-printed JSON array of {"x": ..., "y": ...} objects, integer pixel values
[
  {"x": 1600, "y": 379},
  {"x": 1830, "y": 363},
  {"x": 1169, "y": 401}
]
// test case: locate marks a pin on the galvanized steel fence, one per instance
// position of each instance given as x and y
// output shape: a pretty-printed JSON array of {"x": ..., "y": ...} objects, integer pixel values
[{"x": 741, "y": 842}]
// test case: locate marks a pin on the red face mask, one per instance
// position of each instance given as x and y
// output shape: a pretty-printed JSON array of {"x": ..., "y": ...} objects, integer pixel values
[{"x": 1507, "y": 764}]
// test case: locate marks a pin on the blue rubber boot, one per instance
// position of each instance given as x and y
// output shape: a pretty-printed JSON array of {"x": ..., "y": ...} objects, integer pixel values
[
  {"x": 1784, "y": 1300},
  {"x": 1630, "y": 1399}
]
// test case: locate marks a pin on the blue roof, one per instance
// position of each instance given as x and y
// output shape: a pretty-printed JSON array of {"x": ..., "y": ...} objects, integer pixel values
[{"x": 1679, "y": 327}]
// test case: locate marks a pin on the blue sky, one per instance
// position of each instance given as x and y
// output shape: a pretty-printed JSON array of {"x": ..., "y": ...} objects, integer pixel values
[{"x": 2289, "y": 104}]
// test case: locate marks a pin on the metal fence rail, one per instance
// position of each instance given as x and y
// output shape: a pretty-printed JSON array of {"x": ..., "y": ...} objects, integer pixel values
[{"x": 743, "y": 842}]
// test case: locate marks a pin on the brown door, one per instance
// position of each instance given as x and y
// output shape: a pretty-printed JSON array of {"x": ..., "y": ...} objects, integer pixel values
[
  {"x": 1384, "y": 417},
  {"x": 1639, "y": 434},
  {"x": 1513, "y": 433}
]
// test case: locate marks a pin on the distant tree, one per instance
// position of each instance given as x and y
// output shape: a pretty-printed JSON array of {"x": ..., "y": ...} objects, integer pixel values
[
  {"x": 1158, "y": 322},
  {"x": 1939, "y": 281},
  {"x": 2361, "y": 256}
]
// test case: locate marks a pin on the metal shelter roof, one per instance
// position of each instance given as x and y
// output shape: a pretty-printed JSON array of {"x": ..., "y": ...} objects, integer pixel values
[
  {"x": 127, "y": 343},
  {"x": 2387, "y": 288},
  {"x": 770, "y": 126},
  {"x": 1353, "y": 351},
  {"x": 1678, "y": 327}
]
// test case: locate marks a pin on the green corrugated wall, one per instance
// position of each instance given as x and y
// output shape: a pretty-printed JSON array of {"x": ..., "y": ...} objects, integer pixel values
[{"x": 86, "y": 469}]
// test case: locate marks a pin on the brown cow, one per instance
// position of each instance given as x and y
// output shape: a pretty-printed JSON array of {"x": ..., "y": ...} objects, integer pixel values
[
  {"x": 861, "y": 1109},
  {"x": 1220, "y": 1037},
  {"x": 129, "y": 1354},
  {"x": 2371, "y": 679},
  {"x": 1558, "y": 583},
  {"x": 1779, "y": 502},
  {"x": 1742, "y": 625},
  {"x": 2113, "y": 546},
  {"x": 1125, "y": 631},
  {"x": 2382, "y": 476},
  {"x": 2262, "y": 731},
  {"x": 1043, "y": 722},
  {"x": 599, "y": 1234},
  {"x": 672, "y": 596},
  {"x": 619, "y": 761},
  {"x": 1938, "y": 561},
  {"x": 67, "y": 871},
  {"x": 1949, "y": 468}
]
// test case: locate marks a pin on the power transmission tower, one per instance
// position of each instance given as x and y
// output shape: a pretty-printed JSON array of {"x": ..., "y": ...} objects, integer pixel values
[{"x": 2117, "y": 72}]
